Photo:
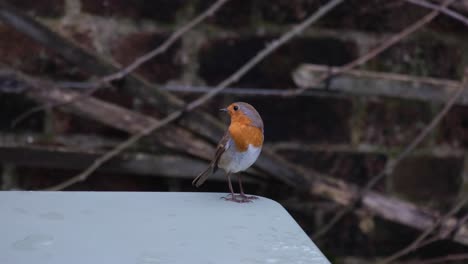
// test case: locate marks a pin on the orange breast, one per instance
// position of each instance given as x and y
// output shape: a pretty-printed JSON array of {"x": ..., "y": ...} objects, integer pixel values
[{"x": 243, "y": 135}]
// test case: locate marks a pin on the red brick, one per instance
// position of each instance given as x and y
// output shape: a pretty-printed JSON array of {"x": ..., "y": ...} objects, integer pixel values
[
  {"x": 52, "y": 8},
  {"x": 24, "y": 54},
  {"x": 454, "y": 128},
  {"x": 429, "y": 180},
  {"x": 18, "y": 50},
  {"x": 287, "y": 11},
  {"x": 233, "y": 14},
  {"x": 373, "y": 15},
  {"x": 164, "y": 11},
  {"x": 160, "y": 69}
]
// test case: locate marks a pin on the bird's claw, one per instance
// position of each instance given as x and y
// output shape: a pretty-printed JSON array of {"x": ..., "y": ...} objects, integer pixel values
[
  {"x": 238, "y": 198},
  {"x": 248, "y": 197}
]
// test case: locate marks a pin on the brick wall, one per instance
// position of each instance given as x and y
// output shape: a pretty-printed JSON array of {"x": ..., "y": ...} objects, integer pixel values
[
  {"x": 122, "y": 30},
  {"x": 346, "y": 137}
]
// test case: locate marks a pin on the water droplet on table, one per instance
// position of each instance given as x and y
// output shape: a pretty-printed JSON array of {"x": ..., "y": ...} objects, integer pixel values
[{"x": 33, "y": 242}]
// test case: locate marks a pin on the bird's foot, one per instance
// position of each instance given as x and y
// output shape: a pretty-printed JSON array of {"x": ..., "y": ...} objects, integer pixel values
[
  {"x": 251, "y": 197},
  {"x": 237, "y": 198}
]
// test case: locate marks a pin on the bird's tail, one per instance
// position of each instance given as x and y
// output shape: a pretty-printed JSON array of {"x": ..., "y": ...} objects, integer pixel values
[{"x": 201, "y": 178}]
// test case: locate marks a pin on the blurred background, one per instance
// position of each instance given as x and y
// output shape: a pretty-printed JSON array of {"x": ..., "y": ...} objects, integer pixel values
[{"x": 322, "y": 146}]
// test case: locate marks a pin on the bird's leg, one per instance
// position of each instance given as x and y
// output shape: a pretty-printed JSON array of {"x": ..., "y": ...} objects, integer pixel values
[
  {"x": 242, "y": 194},
  {"x": 233, "y": 197}
]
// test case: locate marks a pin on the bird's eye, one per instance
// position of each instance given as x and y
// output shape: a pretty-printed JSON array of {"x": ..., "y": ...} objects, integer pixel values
[{"x": 236, "y": 108}]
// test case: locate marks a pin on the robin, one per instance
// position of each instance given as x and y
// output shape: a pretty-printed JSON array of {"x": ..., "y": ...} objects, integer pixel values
[{"x": 238, "y": 149}]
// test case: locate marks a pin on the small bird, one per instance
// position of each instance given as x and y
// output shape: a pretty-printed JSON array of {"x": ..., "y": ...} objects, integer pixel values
[{"x": 238, "y": 149}]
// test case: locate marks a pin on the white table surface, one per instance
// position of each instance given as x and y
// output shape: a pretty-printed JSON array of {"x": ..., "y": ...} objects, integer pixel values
[{"x": 147, "y": 228}]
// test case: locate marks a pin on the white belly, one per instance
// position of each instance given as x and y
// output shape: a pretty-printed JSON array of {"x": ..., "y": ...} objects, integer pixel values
[{"x": 232, "y": 161}]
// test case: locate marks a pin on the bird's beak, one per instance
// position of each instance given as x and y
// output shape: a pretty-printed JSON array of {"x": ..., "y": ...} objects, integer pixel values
[{"x": 223, "y": 110}]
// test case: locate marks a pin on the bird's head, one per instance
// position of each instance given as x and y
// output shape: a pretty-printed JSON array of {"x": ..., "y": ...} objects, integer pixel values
[{"x": 244, "y": 113}]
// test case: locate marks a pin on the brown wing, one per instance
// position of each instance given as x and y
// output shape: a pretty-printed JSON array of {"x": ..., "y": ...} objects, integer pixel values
[{"x": 223, "y": 144}]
